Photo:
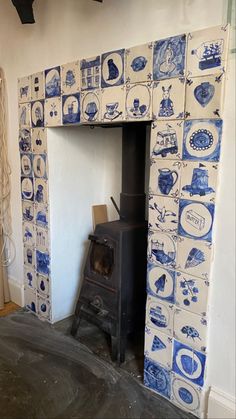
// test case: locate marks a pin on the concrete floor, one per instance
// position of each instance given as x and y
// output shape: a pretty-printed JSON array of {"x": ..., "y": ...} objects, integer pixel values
[{"x": 45, "y": 373}]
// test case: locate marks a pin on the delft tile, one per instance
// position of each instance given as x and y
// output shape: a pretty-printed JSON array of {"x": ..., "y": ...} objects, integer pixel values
[
  {"x": 168, "y": 99},
  {"x": 166, "y": 140},
  {"x": 30, "y": 300},
  {"x": 27, "y": 188},
  {"x": 41, "y": 215},
  {"x": 25, "y": 140},
  {"x": 165, "y": 177},
  {"x": 70, "y": 78},
  {"x": 113, "y": 104},
  {"x": 162, "y": 249},
  {"x": 204, "y": 97},
  {"x": 90, "y": 73},
  {"x": 188, "y": 363},
  {"x": 43, "y": 285},
  {"x": 37, "y": 113},
  {"x": 40, "y": 166},
  {"x": 202, "y": 139},
  {"x": 53, "y": 112},
  {"x": 71, "y": 109},
  {"x": 38, "y": 86},
  {"x": 41, "y": 191},
  {"x": 24, "y": 115},
  {"x": 161, "y": 283},
  {"x": 194, "y": 257},
  {"x": 90, "y": 106},
  {"x": 29, "y": 278},
  {"x": 52, "y": 82},
  {"x": 191, "y": 293},
  {"x": 112, "y": 68},
  {"x": 42, "y": 239},
  {"x": 24, "y": 89},
  {"x": 159, "y": 315},
  {"x": 199, "y": 181},
  {"x": 157, "y": 378},
  {"x": 207, "y": 51},
  {"x": 43, "y": 308},
  {"x": 28, "y": 234},
  {"x": 26, "y": 164},
  {"x": 138, "y": 63},
  {"x": 28, "y": 210},
  {"x": 158, "y": 347},
  {"x": 39, "y": 140},
  {"x": 138, "y": 102},
  {"x": 196, "y": 219},
  {"x": 190, "y": 328},
  {"x": 185, "y": 395},
  {"x": 163, "y": 214},
  {"x": 29, "y": 257},
  {"x": 42, "y": 262},
  {"x": 169, "y": 57}
]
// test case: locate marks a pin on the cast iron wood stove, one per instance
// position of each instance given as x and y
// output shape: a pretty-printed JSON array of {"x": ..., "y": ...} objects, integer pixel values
[{"x": 113, "y": 290}]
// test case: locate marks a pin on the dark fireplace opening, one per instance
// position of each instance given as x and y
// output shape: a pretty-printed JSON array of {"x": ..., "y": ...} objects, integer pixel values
[{"x": 102, "y": 259}]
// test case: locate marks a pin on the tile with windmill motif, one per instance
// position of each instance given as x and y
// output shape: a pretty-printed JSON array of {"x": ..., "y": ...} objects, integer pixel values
[
  {"x": 138, "y": 63},
  {"x": 24, "y": 111},
  {"x": 166, "y": 140},
  {"x": 169, "y": 57},
  {"x": 70, "y": 78},
  {"x": 53, "y": 112},
  {"x": 158, "y": 346},
  {"x": 163, "y": 214},
  {"x": 168, "y": 99},
  {"x": 113, "y": 104},
  {"x": 199, "y": 181},
  {"x": 190, "y": 328},
  {"x": 191, "y": 293},
  {"x": 39, "y": 140},
  {"x": 159, "y": 315},
  {"x": 38, "y": 86},
  {"x": 187, "y": 396},
  {"x": 24, "y": 89},
  {"x": 165, "y": 177},
  {"x": 162, "y": 248},
  {"x": 161, "y": 283},
  {"x": 138, "y": 102}
]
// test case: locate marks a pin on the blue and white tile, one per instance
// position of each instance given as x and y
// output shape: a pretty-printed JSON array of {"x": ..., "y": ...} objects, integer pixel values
[
  {"x": 27, "y": 188},
  {"x": 158, "y": 347},
  {"x": 163, "y": 214},
  {"x": 91, "y": 106},
  {"x": 187, "y": 396},
  {"x": 161, "y": 283},
  {"x": 191, "y": 293},
  {"x": 28, "y": 233},
  {"x": 162, "y": 249},
  {"x": 39, "y": 140},
  {"x": 24, "y": 112},
  {"x": 29, "y": 256},
  {"x": 43, "y": 308},
  {"x": 202, "y": 139},
  {"x": 25, "y": 140},
  {"x": 90, "y": 73},
  {"x": 53, "y": 112},
  {"x": 24, "y": 89},
  {"x": 40, "y": 166},
  {"x": 42, "y": 239},
  {"x": 42, "y": 262},
  {"x": 189, "y": 363},
  {"x": 196, "y": 219},
  {"x": 26, "y": 164},
  {"x": 70, "y": 78},
  {"x": 207, "y": 51},
  {"x": 38, "y": 86},
  {"x": 113, "y": 104},
  {"x": 112, "y": 68},
  {"x": 71, "y": 109},
  {"x": 41, "y": 217},
  {"x": 138, "y": 63},
  {"x": 138, "y": 102},
  {"x": 41, "y": 191},
  {"x": 168, "y": 99},
  {"x": 199, "y": 181},
  {"x": 157, "y": 378},
  {"x": 159, "y": 315},
  {"x": 169, "y": 56},
  {"x": 27, "y": 211},
  {"x": 30, "y": 300},
  {"x": 190, "y": 328},
  {"x": 43, "y": 285},
  {"x": 53, "y": 82},
  {"x": 167, "y": 140},
  {"x": 37, "y": 113},
  {"x": 29, "y": 278},
  {"x": 165, "y": 177}
]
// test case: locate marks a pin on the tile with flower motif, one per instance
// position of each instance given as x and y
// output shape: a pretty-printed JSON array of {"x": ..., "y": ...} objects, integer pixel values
[
  {"x": 24, "y": 110},
  {"x": 138, "y": 63},
  {"x": 159, "y": 315},
  {"x": 30, "y": 297},
  {"x": 91, "y": 106},
  {"x": 29, "y": 278},
  {"x": 28, "y": 234},
  {"x": 168, "y": 99},
  {"x": 191, "y": 293},
  {"x": 70, "y": 78},
  {"x": 138, "y": 102},
  {"x": 112, "y": 68},
  {"x": 169, "y": 57},
  {"x": 165, "y": 177},
  {"x": 90, "y": 73},
  {"x": 190, "y": 328},
  {"x": 162, "y": 249},
  {"x": 158, "y": 346},
  {"x": 166, "y": 140},
  {"x": 194, "y": 257},
  {"x": 38, "y": 86},
  {"x": 53, "y": 112},
  {"x": 37, "y": 113},
  {"x": 161, "y": 283},
  {"x": 39, "y": 140},
  {"x": 187, "y": 396},
  {"x": 163, "y": 214},
  {"x": 199, "y": 181},
  {"x": 24, "y": 89},
  {"x": 53, "y": 82},
  {"x": 113, "y": 104}
]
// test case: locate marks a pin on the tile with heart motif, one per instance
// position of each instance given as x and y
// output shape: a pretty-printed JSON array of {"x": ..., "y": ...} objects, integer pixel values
[
  {"x": 90, "y": 73},
  {"x": 53, "y": 112},
  {"x": 199, "y": 181},
  {"x": 166, "y": 140},
  {"x": 24, "y": 89},
  {"x": 53, "y": 82},
  {"x": 169, "y": 57},
  {"x": 165, "y": 177},
  {"x": 190, "y": 328},
  {"x": 112, "y": 68},
  {"x": 24, "y": 111},
  {"x": 159, "y": 315},
  {"x": 71, "y": 109},
  {"x": 37, "y": 113},
  {"x": 70, "y": 78},
  {"x": 157, "y": 378},
  {"x": 91, "y": 106},
  {"x": 38, "y": 86},
  {"x": 162, "y": 249},
  {"x": 39, "y": 140},
  {"x": 138, "y": 63},
  {"x": 113, "y": 104},
  {"x": 187, "y": 396},
  {"x": 191, "y": 293},
  {"x": 30, "y": 278},
  {"x": 161, "y": 283},
  {"x": 168, "y": 99},
  {"x": 163, "y": 214},
  {"x": 28, "y": 233},
  {"x": 158, "y": 347}
]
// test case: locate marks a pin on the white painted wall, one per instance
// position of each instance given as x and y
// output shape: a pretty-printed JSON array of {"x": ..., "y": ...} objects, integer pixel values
[{"x": 71, "y": 29}]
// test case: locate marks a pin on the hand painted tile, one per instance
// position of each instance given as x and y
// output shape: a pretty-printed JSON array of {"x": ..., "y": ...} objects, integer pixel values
[
  {"x": 40, "y": 166},
  {"x": 30, "y": 299},
  {"x": 90, "y": 106},
  {"x": 28, "y": 234},
  {"x": 112, "y": 68},
  {"x": 43, "y": 308},
  {"x": 24, "y": 115},
  {"x": 29, "y": 278},
  {"x": 207, "y": 51},
  {"x": 163, "y": 214},
  {"x": 71, "y": 109},
  {"x": 159, "y": 315},
  {"x": 162, "y": 249},
  {"x": 169, "y": 57},
  {"x": 43, "y": 285},
  {"x": 70, "y": 78},
  {"x": 161, "y": 283},
  {"x": 165, "y": 177},
  {"x": 191, "y": 293},
  {"x": 196, "y": 220},
  {"x": 199, "y": 180},
  {"x": 37, "y": 113},
  {"x": 168, "y": 99},
  {"x": 41, "y": 191},
  {"x": 52, "y": 82},
  {"x": 42, "y": 262},
  {"x": 138, "y": 102},
  {"x": 202, "y": 139},
  {"x": 27, "y": 210},
  {"x": 167, "y": 139},
  {"x": 41, "y": 215},
  {"x": 27, "y": 188},
  {"x": 38, "y": 86},
  {"x": 90, "y": 73},
  {"x": 113, "y": 104},
  {"x": 188, "y": 363},
  {"x": 194, "y": 257},
  {"x": 24, "y": 89},
  {"x": 158, "y": 347},
  {"x": 138, "y": 63},
  {"x": 39, "y": 140},
  {"x": 29, "y": 257},
  {"x": 157, "y": 378},
  {"x": 26, "y": 164},
  {"x": 53, "y": 112},
  {"x": 204, "y": 97},
  {"x": 25, "y": 140},
  {"x": 190, "y": 328},
  {"x": 185, "y": 395},
  {"x": 42, "y": 239}
]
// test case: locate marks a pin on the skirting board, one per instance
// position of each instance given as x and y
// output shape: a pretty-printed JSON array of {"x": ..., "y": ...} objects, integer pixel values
[
  {"x": 16, "y": 292},
  {"x": 220, "y": 405}
]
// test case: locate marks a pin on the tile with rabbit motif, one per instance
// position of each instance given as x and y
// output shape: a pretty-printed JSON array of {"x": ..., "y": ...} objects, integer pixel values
[
  {"x": 90, "y": 73},
  {"x": 70, "y": 78},
  {"x": 38, "y": 86},
  {"x": 138, "y": 63},
  {"x": 40, "y": 166},
  {"x": 190, "y": 328},
  {"x": 27, "y": 188},
  {"x": 163, "y": 214},
  {"x": 53, "y": 112},
  {"x": 157, "y": 378},
  {"x": 53, "y": 82},
  {"x": 25, "y": 140},
  {"x": 161, "y": 283},
  {"x": 158, "y": 346},
  {"x": 42, "y": 239},
  {"x": 24, "y": 89},
  {"x": 37, "y": 113},
  {"x": 159, "y": 315},
  {"x": 30, "y": 297},
  {"x": 169, "y": 57},
  {"x": 166, "y": 140},
  {"x": 28, "y": 234},
  {"x": 27, "y": 211},
  {"x": 168, "y": 99},
  {"x": 165, "y": 177},
  {"x": 41, "y": 217},
  {"x": 199, "y": 181},
  {"x": 112, "y": 68},
  {"x": 138, "y": 102},
  {"x": 43, "y": 285},
  {"x": 186, "y": 396},
  {"x": 71, "y": 109},
  {"x": 39, "y": 140},
  {"x": 29, "y": 256},
  {"x": 41, "y": 191},
  {"x": 91, "y": 106},
  {"x": 191, "y": 293},
  {"x": 42, "y": 262},
  {"x": 113, "y": 104},
  {"x": 24, "y": 110},
  {"x": 162, "y": 249},
  {"x": 26, "y": 164},
  {"x": 43, "y": 308},
  {"x": 194, "y": 257},
  {"x": 30, "y": 278}
]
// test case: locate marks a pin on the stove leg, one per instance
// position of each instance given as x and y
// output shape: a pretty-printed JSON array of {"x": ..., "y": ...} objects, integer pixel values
[
  {"x": 118, "y": 346},
  {"x": 76, "y": 321}
]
